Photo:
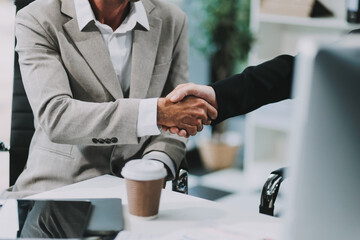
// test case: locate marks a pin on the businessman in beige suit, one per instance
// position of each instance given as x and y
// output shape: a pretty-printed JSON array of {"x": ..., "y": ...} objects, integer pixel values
[{"x": 95, "y": 73}]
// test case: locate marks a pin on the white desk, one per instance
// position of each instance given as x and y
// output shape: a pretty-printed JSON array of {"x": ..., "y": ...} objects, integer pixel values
[{"x": 177, "y": 211}]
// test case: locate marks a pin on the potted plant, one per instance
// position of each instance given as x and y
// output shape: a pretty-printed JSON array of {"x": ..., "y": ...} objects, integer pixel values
[{"x": 226, "y": 40}]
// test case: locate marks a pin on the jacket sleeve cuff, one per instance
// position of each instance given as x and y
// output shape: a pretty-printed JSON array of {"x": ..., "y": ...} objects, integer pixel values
[{"x": 164, "y": 158}]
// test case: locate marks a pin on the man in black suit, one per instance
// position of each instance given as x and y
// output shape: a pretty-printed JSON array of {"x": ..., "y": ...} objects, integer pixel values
[{"x": 256, "y": 86}]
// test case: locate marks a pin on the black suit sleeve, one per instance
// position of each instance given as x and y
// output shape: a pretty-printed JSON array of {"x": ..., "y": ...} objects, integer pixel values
[{"x": 256, "y": 86}]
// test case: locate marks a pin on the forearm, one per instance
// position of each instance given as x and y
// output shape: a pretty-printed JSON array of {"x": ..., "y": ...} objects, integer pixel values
[
  {"x": 256, "y": 86},
  {"x": 69, "y": 121}
]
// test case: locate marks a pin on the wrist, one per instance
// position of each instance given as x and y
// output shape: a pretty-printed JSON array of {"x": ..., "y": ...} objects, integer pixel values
[{"x": 160, "y": 112}]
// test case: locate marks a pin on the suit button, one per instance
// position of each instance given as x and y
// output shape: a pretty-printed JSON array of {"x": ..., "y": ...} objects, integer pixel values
[
  {"x": 108, "y": 140},
  {"x": 101, "y": 140},
  {"x": 114, "y": 140},
  {"x": 94, "y": 140}
]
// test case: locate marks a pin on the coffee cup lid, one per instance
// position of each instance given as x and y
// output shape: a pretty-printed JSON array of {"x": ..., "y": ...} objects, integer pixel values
[{"x": 144, "y": 170}]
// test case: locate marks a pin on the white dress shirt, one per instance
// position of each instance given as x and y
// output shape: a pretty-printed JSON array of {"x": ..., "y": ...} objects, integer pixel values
[{"x": 119, "y": 44}]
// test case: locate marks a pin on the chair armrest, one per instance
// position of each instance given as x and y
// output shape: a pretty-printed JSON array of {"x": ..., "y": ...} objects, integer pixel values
[
  {"x": 3, "y": 148},
  {"x": 270, "y": 191}
]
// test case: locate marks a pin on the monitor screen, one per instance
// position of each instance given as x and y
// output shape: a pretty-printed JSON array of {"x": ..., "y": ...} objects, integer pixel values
[{"x": 323, "y": 191}]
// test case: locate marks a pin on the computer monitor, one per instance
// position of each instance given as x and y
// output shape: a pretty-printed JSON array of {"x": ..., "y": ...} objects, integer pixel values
[{"x": 323, "y": 197}]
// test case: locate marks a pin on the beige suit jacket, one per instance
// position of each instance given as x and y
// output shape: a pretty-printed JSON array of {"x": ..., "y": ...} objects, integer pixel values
[{"x": 83, "y": 125}]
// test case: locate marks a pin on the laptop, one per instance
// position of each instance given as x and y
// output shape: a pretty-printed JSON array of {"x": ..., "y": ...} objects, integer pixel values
[
  {"x": 75, "y": 218},
  {"x": 25, "y": 218},
  {"x": 106, "y": 217},
  {"x": 323, "y": 198}
]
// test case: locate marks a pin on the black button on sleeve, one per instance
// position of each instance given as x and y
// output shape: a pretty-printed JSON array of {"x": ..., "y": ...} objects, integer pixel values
[
  {"x": 114, "y": 140},
  {"x": 101, "y": 140},
  {"x": 94, "y": 140},
  {"x": 108, "y": 140}
]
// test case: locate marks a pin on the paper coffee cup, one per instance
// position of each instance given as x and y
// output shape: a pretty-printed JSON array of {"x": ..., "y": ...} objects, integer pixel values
[{"x": 144, "y": 181}]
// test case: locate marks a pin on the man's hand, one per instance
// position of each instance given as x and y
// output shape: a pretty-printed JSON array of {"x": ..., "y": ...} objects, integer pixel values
[
  {"x": 190, "y": 114},
  {"x": 190, "y": 89},
  {"x": 181, "y": 91}
]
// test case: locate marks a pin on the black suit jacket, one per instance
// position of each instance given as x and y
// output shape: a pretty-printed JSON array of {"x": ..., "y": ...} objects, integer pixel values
[{"x": 256, "y": 86}]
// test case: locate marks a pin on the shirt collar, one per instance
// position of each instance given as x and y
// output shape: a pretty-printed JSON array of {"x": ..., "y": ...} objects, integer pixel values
[{"x": 85, "y": 14}]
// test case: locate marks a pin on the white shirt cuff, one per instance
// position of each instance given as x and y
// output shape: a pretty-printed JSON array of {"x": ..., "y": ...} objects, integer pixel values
[
  {"x": 164, "y": 158},
  {"x": 147, "y": 119}
]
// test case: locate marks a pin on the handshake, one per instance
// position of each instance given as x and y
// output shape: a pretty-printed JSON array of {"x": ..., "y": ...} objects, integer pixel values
[{"x": 186, "y": 109}]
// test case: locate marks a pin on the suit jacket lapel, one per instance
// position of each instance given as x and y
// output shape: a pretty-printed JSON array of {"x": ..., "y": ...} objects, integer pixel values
[
  {"x": 92, "y": 47},
  {"x": 144, "y": 49}
]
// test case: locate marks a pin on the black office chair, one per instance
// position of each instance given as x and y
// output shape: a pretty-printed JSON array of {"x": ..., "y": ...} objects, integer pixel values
[
  {"x": 22, "y": 128},
  {"x": 22, "y": 120}
]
